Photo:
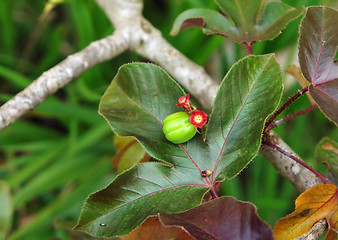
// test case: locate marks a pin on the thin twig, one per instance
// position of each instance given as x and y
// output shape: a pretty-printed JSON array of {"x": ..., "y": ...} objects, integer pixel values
[
  {"x": 274, "y": 146},
  {"x": 282, "y": 108},
  {"x": 287, "y": 118}
]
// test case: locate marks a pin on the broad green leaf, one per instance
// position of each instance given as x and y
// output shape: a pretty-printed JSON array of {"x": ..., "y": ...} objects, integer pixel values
[
  {"x": 326, "y": 152},
  {"x": 136, "y": 103},
  {"x": 248, "y": 94},
  {"x": 244, "y": 21},
  {"x": 142, "y": 191},
  {"x": 221, "y": 218},
  {"x": 318, "y": 45},
  {"x": 6, "y": 209},
  {"x": 211, "y": 22}
]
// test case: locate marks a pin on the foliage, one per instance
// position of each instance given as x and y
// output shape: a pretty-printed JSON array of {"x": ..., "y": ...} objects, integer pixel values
[
  {"x": 153, "y": 229},
  {"x": 232, "y": 140},
  {"x": 243, "y": 21},
  {"x": 231, "y": 219},
  {"x": 6, "y": 213},
  {"x": 326, "y": 152},
  {"x": 314, "y": 204},
  {"x": 318, "y": 44},
  {"x": 128, "y": 153},
  {"x": 60, "y": 152}
]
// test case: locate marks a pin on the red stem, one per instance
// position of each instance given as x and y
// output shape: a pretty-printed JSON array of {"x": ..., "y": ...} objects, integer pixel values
[
  {"x": 249, "y": 47},
  {"x": 276, "y": 123},
  {"x": 216, "y": 187},
  {"x": 213, "y": 193},
  {"x": 274, "y": 146},
  {"x": 282, "y": 108}
]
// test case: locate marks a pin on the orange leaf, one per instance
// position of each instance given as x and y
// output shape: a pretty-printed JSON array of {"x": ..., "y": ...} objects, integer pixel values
[
  {"x": 152, "y": 229},
  {"x": 314, "y": 204}
]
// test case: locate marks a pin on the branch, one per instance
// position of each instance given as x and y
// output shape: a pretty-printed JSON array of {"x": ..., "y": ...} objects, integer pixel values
[
  {"x": 148, "y": 42},
  {"x": 132, "y": 32},
  {"x": 316, "y": 231},
  {"x": 299, "y": 176},
  {"x": 61, "y": 74}
]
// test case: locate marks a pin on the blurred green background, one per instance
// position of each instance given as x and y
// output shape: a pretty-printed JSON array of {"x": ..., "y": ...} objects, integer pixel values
[{"x": 59, "y": 153}]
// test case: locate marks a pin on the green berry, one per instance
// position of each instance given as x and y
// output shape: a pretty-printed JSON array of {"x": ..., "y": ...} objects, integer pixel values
[{"x": 177, "y": 128}]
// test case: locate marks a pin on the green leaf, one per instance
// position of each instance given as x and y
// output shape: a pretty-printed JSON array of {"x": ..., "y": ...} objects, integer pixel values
[
  {"x": 144, "y": 190},
  {"x": 248, "y": 95},
  {"x": 136, "y": 103},
  {"x": 274, "y": 19},
  {"x": 318, "y": 45},
  {"x": 244, "y": 21},
  {"x": 6, "y": 209},
  {"x": 326, "y": 152},
  {"x": 211, "y": 22},
  {"x": 140, "y": 97}
]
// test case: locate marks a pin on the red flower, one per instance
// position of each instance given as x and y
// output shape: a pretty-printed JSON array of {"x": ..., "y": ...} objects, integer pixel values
[
  {"x": 198, "y": 118},
  {"x": 184, "y": 102}
]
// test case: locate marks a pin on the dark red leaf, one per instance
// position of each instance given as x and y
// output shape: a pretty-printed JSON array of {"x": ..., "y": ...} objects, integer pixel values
[
  {"x": 222, "y": 218},
  {"x": 317, "y": 50}
]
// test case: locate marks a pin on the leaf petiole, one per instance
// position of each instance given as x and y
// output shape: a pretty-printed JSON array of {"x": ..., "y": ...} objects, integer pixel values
[
  {"x": 274, "y": 146},
  {"x": 282, "y": 108},
  {"x": 293, "y": 115}
]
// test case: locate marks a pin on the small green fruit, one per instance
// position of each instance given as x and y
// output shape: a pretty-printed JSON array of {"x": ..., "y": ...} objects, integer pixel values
[{"x": 177, "y": 128}]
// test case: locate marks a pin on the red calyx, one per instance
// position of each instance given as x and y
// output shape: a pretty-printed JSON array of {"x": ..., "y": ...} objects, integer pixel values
[{"x": 184, "y": 102}]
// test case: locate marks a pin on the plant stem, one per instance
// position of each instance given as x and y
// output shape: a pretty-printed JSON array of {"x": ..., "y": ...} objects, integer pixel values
[
  {"x": 213, "y": 193},
  {"x": 216, "y": 187},
  {"x": 249, "y": 48},
  {"x": 276, "y": 123},
  {"x": 274, "y": 146},
  {"x": 282, "y": 108}
]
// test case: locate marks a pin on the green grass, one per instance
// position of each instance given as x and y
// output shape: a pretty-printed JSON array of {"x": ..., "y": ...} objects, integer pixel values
[{"x": 60, "y": 152}]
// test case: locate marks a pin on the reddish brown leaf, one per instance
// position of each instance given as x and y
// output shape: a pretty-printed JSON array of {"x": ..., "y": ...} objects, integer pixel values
[
  {"x": 317, "y": 50},
  {"x": 222, "y": 218},
  {"x": 152, "y": 229},
  {"x": 314, "y": 204}
]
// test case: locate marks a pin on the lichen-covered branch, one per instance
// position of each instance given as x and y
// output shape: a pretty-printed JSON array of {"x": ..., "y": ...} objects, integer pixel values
[
  {"x": 61, "y": 74},
  {"x": 299, "y": 176},
  {"x": 148, "y": 42}
]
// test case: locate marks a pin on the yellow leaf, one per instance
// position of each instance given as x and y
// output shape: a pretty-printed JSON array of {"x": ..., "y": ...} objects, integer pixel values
[
  {"x": 128, "y": 153},
  {"x": 316, "y": 203},
  {"x": 50, "y": 5}
]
